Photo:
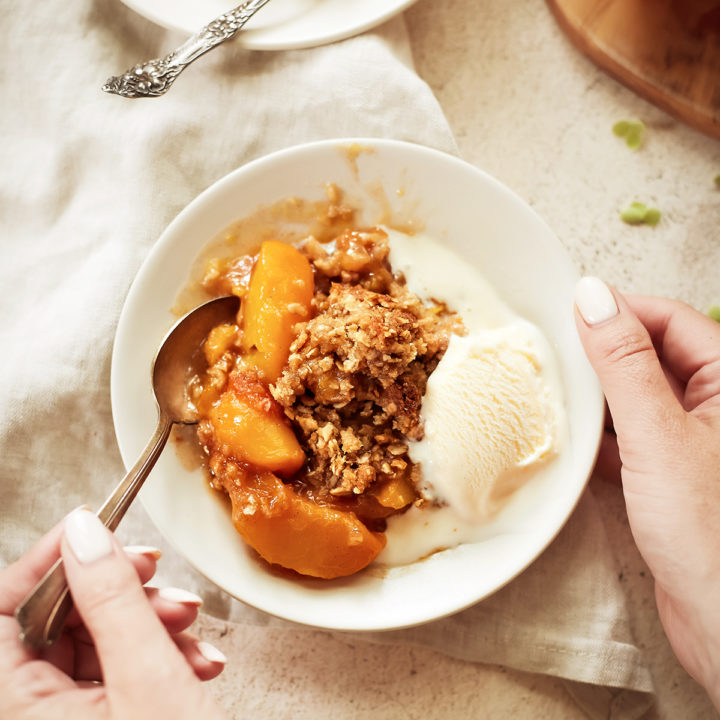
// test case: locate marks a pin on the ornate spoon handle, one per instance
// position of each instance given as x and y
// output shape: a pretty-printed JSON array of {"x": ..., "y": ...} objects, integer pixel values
[{"x": 154, "y": 78}]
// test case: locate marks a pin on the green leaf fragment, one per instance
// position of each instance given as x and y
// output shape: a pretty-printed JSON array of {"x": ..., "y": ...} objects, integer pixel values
[
  {"x": 637, "y": 213},
  {"x": 652, "y": 216},
  {"x": 621, "y": 128},
  {"x": 634, "y": 212},
  {"x": 633, "y": 139},
  {"x": 632, "y": 130},
  {"x": 716, "y": 180},
  {"x": 714, "y": 312}
]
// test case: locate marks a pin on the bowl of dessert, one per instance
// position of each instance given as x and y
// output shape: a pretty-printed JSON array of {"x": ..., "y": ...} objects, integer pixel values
[{"x": 399, "y": 420}]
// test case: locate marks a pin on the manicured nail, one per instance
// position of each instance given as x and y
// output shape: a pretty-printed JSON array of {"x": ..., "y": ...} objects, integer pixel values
[
  {"x": 178, "y": 595},
  {"x": 88, "y": 538},
  {"x": 79, "y": 507},
  {"x": 594, "y": 300},
  {"x": 211, "y": 653},
  {"x": 152, "y": 552}
]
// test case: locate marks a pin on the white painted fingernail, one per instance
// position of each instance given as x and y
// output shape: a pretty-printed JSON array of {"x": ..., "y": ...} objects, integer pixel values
[
  {"x": 79, "y": 507},
  {"x": 211, "y": 653},
  {"x": 143, "y": 550},
  {"x": 88, "y": 538},
  {"x": 178, "y": 595},
  {"x": 594, "y": 300}
]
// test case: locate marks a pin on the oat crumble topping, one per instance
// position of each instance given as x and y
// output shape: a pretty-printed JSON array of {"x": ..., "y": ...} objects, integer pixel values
[{"x": 357, "y": 370}]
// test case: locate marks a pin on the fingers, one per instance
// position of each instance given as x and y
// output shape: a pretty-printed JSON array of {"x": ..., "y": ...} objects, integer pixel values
[
  {"x": 621, "y": 351},
  {"x": 18, "y": 579},
  {"x": 686, "y": 339},
  {"x": 689, "y": 344},
  {"x": 176, "y": 608},
  {"x": 134, "y": 648},
  {"x": 144, "y": 559},
  {"x": 205, "y": 659}
]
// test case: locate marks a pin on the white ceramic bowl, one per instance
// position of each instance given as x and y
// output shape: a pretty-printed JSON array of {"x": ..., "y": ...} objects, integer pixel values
[{"x": 486, "y": 224}]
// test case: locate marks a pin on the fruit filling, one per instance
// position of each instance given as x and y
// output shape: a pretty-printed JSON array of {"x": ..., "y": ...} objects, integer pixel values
[{"x": 309, "y": 401}]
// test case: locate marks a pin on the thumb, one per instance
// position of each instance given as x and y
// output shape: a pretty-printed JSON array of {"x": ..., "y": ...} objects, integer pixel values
[
  {"x": 132, "y": 645},
  {"x": 619, "y": 347}
]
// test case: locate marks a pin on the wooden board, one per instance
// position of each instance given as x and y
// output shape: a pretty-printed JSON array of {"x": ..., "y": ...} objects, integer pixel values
[{"x": 668, "y": 51}]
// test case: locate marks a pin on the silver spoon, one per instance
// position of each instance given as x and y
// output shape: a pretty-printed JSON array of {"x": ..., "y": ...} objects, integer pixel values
[
  {"x": 154, "y": 77},
  {"x": 43, "y": 612}
]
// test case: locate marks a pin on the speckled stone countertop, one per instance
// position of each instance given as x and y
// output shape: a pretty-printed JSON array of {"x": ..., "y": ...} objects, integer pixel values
[{"x": 530, "y": 110}]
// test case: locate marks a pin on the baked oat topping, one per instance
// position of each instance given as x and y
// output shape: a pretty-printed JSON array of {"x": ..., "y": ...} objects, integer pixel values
[{"x": 357, "y": 371}]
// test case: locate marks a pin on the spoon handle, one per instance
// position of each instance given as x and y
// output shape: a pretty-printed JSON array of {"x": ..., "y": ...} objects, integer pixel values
[
  {"x": 115, "y": 507},
  {"x": 154, "y": 77},
  {"x": 42, "y": 614}
]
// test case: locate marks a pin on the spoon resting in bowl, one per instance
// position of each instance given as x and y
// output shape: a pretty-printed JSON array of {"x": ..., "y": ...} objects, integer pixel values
[{"x": 43, "y": 612}]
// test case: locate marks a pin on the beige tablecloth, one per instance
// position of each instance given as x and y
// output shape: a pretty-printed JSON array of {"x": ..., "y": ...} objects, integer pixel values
[{"x": 88, "y": 183}]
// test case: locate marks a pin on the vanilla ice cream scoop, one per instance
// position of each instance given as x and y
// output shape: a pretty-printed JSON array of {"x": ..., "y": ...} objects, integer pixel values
[
  {"x": 493, "y": 410},
  {"x": 488, "y": 416}
]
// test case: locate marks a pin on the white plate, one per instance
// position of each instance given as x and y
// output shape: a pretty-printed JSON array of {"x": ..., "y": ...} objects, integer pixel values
[
  {"x": 279, "y": 25},
  {"x": 490, "y": 227}
]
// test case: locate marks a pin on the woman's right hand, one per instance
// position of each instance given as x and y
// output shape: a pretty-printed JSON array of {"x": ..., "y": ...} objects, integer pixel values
[
  {"x": 658, "y": 361},
  {"x": 125, "y": 652}
]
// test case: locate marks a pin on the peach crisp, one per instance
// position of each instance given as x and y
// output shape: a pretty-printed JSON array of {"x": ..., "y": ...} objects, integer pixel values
[{"x": 311, "y": 397}]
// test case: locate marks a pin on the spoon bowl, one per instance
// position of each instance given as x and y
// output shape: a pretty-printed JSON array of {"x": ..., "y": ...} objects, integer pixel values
[
  {"x": 43, "y": 612},
  {"x": 179, "y": 353}
]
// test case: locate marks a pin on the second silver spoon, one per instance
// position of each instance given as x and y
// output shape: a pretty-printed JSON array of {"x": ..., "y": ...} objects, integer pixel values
[{"x": 154, "y": 77}]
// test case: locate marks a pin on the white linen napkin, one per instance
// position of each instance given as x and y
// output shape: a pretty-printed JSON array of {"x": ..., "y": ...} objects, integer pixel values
[{"x": 89, "y": 181}]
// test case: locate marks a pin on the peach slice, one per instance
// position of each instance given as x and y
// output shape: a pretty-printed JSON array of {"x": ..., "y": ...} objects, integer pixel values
[
  {"x": 249, "y": 425},
  {"x": 279, "y": 296},
  {"x": 292, "y": 531}
]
